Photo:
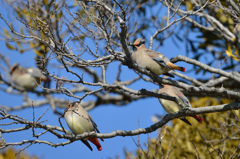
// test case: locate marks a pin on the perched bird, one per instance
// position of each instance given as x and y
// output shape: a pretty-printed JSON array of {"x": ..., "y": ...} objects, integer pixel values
[
  {"x": 236, "y": 32},
  {"x": 79, "y": 121},
  {"x": 152, "y": 60},
  {"x": 28, "y": 78},
  {"x": 173, "y": 107}
]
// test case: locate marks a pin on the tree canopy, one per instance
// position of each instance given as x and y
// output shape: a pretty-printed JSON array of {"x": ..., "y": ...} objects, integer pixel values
[{"x": 84, "y": 47}]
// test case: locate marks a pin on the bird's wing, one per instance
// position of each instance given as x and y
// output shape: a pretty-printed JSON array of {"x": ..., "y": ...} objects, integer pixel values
[
  {"x": 159, "y": 55},
  {"x": 186, "y": 102},
  {"x": 168, "y": 74},
  {"x": 162, "y": 91},
  {"x": 35, "y": 72},
  {"x": 94, "y": 125},
  {"x": 160, "y": 62},
  {"x": 181, "y": 96}
]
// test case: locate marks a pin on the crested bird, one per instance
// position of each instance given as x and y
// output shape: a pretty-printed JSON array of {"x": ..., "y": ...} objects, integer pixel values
[
  {"x": 152, "y": 60},
  {"x": 79, "y": 121},
  {"x": 28, "y": 78},
  {"x": 171, "y": 106},
  {"x": 236, "y": 32}
]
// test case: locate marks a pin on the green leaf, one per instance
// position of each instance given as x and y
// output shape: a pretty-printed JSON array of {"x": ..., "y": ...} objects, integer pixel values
[
  {"x": 10, "y": 47},
  {"x": 7, "y": 34},
  {"x": 45, "y": 2},
  {"x": 19, "y": 44},
  {"x": 21, "y": 30}
]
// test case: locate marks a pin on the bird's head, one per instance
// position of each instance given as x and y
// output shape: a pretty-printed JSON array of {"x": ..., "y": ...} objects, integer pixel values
[
  {"x": 137, "y": 43},
  {"x": 14, "y": 67},
  {"x": 72, "y": 105}
]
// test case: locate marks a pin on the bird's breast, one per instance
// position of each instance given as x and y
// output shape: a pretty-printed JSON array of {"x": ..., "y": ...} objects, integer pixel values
[
  {"x": 78, "y": 124},
  {"x": 26, "y": 81},
  {"x": 170, "y": 106}
]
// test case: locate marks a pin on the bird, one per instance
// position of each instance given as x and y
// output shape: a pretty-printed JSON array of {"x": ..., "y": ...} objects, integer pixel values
[
  {"x": 171, "y": 106},
  {"x": 236, "y": 32},
  {"x": 152, "y": 60},
  {"x": 28, "y": 78},
  {"x": 79, "y": 121}
]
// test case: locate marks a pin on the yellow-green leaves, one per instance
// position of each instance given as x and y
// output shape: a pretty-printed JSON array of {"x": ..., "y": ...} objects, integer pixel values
[
  {"x": 6, "y": 33},
  {"x": 10, "y": 46},
  {"x": 10, "y": 153},
  {"x": 229, "y": 52}
]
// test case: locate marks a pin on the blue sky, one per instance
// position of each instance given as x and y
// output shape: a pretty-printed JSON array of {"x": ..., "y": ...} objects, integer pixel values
[{"x": 108, "y": 117}]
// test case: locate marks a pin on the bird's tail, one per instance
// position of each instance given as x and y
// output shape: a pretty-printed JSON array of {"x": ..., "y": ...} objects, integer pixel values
[
  {"x": 186, "y": 121},
  {"x": 198, "y": 118},
  {"x": 45, "y": 79},
  {"x": 96, "y": 143},
  {"x": 175, "y": 67}
]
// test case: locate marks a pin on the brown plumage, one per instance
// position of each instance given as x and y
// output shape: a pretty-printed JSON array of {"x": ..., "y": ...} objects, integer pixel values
[
  {"x": 28, "y": 78},
  {"x": 236, "y": 32},
  {"x": 79, "y": 121},
  {"x": 171, "y": 106},
  {"x": 152, "y": 60}
]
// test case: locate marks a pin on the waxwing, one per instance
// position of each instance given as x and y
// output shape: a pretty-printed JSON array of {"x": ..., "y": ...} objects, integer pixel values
[
  {"x": 79, "y": 121},
  {"x": 28, "y": 78},
  {"x": 152, "y": 60},
  {"x": 236, "y": 32},
  {"x": 171, "y": 106}
]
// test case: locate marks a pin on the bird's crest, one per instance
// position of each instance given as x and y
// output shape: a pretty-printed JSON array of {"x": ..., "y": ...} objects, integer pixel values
[
  {"x": 139, "y": 42},
  {"x": 14, "y": 67}
]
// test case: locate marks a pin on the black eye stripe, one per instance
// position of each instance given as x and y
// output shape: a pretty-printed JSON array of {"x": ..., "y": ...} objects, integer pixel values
[
  {"x": 140, "y": 43},
  {"x": 14, "y": 68}
]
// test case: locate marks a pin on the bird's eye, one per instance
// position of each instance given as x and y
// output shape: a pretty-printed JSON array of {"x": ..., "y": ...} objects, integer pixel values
[{"x": 134, "y": 48}]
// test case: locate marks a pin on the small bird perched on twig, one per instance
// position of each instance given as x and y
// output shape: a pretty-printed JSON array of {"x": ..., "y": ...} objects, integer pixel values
[
  {"x": 236, "y": 32},
  {"x": 28, "y": 78},
  {"x": 79, "y": 121},
  {"x": 152, "y": 60},
  {"x": 171, "y": 106}
]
